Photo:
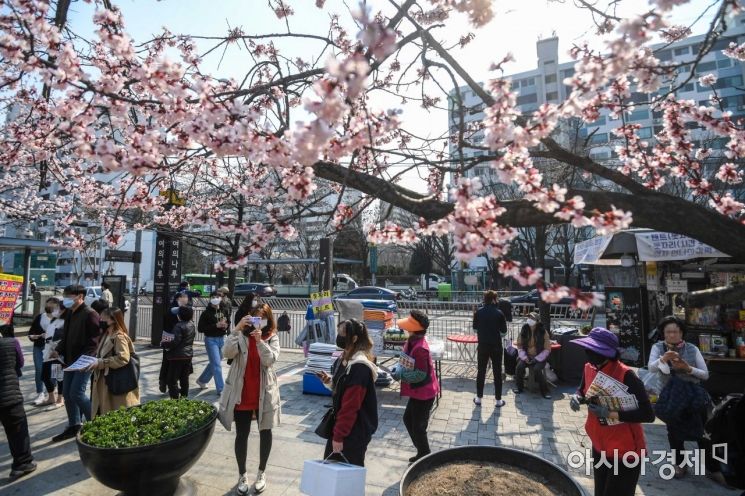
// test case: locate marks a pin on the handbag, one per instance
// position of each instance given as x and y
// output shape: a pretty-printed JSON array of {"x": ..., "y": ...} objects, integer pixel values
[
  {"x": 124, "y": 379},
  {"x": 325, "y": 429}
]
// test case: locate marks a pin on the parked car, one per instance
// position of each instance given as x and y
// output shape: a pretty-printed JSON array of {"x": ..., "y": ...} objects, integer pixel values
[
  {"x": 246, "y": 288},
  {"x": 370, "y": 293},
  {"x": 534, "y": 297},
  {"x": 92, "y": 294}
]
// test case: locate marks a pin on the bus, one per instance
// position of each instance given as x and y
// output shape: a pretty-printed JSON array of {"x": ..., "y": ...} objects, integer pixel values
[{"x": 204, "y": 284}]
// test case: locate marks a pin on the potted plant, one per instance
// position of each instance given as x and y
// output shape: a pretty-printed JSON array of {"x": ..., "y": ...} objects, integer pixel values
[
  {"x": 487, "y": 471},
  {"x": 145, "y": 449}
]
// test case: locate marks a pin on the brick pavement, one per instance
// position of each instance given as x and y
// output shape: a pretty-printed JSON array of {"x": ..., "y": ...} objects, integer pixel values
[{"x": 547, "y": 428}]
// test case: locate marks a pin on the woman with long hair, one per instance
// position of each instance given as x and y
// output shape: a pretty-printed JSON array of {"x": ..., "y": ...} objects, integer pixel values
[
  {"x": 354, "y": 399},
  {"x": 115, "y": 349},
  {"x": 249, "y": 303},
  {"x": 251, "y": 389}
]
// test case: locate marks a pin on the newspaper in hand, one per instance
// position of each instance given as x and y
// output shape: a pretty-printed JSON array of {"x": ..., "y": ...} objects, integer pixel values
[
  {"x": 81, "y": 363},
  {"x": 406, "y": 362},
  {"x": 612, "y": 394}
]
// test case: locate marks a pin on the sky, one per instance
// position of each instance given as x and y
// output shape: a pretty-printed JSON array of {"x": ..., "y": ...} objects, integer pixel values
[{"x": 515, "y": 28}]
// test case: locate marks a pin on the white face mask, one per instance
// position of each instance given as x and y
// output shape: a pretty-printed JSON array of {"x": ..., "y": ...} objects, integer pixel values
[
  {"x": 531, "y": 322},
  {"x": 215, "y": 301},
  {"x": 55, "y": 313}
]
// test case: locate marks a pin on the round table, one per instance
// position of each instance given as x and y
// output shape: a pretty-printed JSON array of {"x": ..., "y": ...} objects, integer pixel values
[{"x": 462, "y": 342}]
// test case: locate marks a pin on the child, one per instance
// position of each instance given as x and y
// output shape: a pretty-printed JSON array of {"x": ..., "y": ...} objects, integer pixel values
[{"x": 179, "y": 353}]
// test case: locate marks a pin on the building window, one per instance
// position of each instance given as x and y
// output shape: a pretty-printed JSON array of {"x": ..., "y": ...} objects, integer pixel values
[
  {"x": 686, "y": 88},
  {"x": 682, "y": 51},
  {"x": 599, "y": 138},
  {"x": 567, "y": 73},
  {"x": 695, "y": 48},
  {"x": 550, "y": 78},
  {"x": 664, "y": 55},
  {"x": 600, "y": 121},
  {"x": 644, "y": 133},
  {"x": 530, "y": 82},
  {"x": 529, "y": 98},
  {"x": 724, "y": 63},
  {"x": 722, "y": 83},
  {"x": 549, "y": 62},
  {"x": 638, "y": 115},
  {"x": 706, "y": 67},
  {"x": 552, "y": 96},
  {"x": 600, "y": 155},
  {"x": 657, "y": 129}
]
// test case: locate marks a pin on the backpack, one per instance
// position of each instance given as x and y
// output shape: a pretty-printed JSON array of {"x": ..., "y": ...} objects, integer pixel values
[{"x": 283, "y": 323}]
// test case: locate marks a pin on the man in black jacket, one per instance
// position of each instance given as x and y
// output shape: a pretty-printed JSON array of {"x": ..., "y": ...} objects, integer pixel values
[
  {"x": 491, "y": 328},
  {"x": 12, "y": 414},
  {"x": 81, "y": 336}
]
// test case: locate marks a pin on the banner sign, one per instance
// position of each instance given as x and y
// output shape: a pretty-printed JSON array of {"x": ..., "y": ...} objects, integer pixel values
[
  {"x": 590, "y": 251},
  {"x": 661, "y": 246},
  {"x": 10, "y": 288}
]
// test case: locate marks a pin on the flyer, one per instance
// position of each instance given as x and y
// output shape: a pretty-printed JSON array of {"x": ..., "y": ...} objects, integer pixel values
[
  {"x": 81, "y": 363},
  {"x": 10, "y": 288}
]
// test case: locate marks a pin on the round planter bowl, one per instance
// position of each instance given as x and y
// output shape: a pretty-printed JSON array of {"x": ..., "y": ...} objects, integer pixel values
[
  {"x": 555, "y": 476},
  {"x": 147, "y": 470}
]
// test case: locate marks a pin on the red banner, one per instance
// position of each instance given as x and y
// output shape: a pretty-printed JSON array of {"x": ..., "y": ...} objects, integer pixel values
[{"x": 10, "y": 288}]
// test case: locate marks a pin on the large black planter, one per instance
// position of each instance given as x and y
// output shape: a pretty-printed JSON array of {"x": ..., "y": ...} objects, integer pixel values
[
  {"x": 557, "y": 477},
  {"x": 147, "y": 470}
]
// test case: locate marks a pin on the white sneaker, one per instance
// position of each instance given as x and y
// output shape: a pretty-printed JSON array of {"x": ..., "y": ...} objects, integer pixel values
[
  {"x": 201, "y": 385},
  {"x": 41, "y": 398},
  {"x": 477, "y": 400},
  {"x": 242, "y": 484},
  {"x": 260, "y": 483}
]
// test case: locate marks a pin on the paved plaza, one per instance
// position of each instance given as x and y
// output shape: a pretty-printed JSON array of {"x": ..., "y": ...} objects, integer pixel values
[{"x": 547, "y": 428}]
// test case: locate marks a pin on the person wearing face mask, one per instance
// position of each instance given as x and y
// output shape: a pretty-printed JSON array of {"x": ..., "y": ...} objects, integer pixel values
[
  {"x": 51, "y": 368},
  {"x": 114, "y": 351},
  {"x": 533, "y": 348},
  {"x": 170, "y": 319},
  {"x": 251, "y": 390},
  {"x": 250, "y": 302},
  {"x": 214, "y": 324},
  {"x": 81, "y": 335},
  {"x": 353, "y": 394},
  {"x": 179, "y": 353},
  {"x": 617, "y": 439},
  {"x": 419, "y": 384},
  {"x": 43, "y": 326},
  {"x": 226, "y": 304},
  {"x": 674, "y": 356}
]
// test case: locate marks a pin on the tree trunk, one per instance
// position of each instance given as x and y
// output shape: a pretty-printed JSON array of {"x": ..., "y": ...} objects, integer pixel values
[{"x": 544, "y": 309}]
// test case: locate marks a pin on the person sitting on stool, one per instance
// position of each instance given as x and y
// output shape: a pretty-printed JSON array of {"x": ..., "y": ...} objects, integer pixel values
[{"x": 533, "y": 348}]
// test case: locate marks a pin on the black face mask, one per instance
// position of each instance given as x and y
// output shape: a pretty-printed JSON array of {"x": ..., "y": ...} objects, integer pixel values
[
  {"x": 103, "y": 325},
  {"x": 341, "y": 342},
  {"x": 595, "y": 358}
]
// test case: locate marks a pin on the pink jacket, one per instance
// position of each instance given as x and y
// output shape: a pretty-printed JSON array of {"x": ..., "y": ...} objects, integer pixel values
[{"x": 418, "y": 348}]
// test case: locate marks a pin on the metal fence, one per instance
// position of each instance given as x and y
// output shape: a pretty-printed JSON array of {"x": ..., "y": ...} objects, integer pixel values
[{"x": 446, "y": 318}]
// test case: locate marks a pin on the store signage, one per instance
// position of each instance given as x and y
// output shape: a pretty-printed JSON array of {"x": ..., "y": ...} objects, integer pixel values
[
  {"x": 661, "y": 246},
  {"x": 677, "y": 286}
]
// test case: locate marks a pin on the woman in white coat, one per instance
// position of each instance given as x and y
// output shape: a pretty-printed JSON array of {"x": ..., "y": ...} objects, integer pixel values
[{"x": 251, "y": 389}]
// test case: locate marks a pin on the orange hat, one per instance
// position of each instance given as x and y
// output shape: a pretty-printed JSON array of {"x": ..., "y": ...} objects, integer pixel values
[{"x": 410, "y": 324}]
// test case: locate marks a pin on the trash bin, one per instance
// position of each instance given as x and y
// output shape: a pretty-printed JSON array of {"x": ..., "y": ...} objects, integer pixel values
[{"x": 444, "y": 291}]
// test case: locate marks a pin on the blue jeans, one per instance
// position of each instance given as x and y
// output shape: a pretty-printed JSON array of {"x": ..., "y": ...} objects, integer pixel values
[
  {"x": 77, "y": 403},
  {"x": 213, "y": 369},
  {"x": 38, "y": 367}
]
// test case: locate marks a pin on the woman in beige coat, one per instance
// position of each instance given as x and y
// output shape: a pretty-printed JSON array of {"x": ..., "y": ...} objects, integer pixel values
[
  {"x": 251, "y": 389},
  {"x": 114, "y": 351}
]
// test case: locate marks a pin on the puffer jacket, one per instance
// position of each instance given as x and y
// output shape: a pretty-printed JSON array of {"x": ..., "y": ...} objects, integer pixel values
[
  {"x": 10, "y": 390},
  {"x": 182, "y": 344}
]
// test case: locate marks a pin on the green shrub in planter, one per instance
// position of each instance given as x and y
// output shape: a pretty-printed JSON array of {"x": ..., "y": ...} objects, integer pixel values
[{"x": 152, "y": 423}]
